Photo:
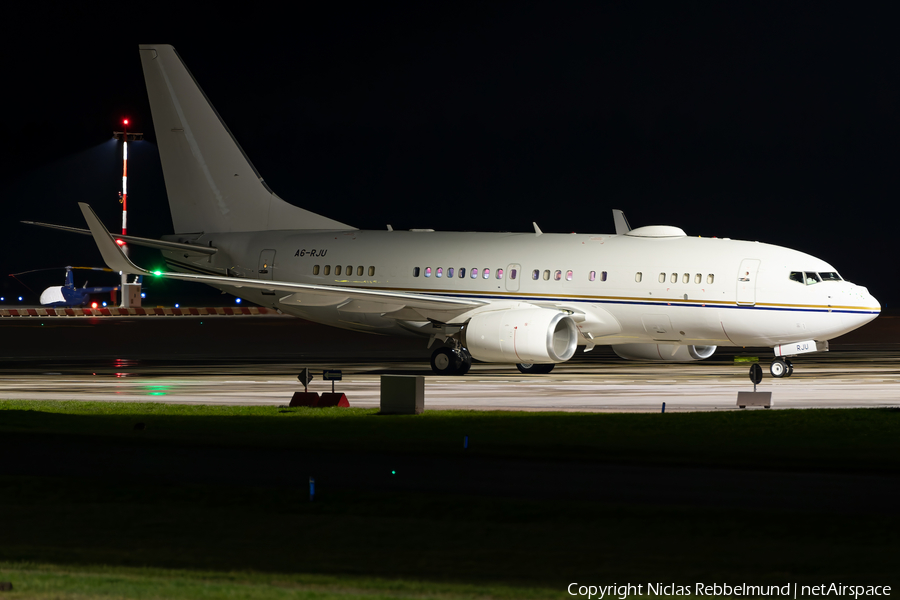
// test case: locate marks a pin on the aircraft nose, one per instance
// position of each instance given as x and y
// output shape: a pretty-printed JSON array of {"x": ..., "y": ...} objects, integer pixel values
[{"x": 871, "y": 307}]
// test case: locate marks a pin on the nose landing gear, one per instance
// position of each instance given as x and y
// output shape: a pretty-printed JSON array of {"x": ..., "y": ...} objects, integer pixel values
[{"x": 781, "y": 367}]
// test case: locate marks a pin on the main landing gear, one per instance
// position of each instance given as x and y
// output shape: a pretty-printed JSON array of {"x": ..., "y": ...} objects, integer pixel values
[
  {"x": 451, "y": 361},
  {"x": 535, "y": 369},
  {"x": 781, "y": 367}
]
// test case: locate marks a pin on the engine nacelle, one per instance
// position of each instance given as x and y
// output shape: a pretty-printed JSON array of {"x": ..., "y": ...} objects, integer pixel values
[
  {"x": 522, "y": 335},
  {"x": 663, "y": 352}
]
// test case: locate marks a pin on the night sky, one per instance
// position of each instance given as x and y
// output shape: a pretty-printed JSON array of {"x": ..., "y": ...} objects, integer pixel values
[{"x": 777, "y": 122}]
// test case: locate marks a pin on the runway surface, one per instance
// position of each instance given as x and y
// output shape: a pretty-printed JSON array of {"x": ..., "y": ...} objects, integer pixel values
[
  {"x": 839, "y": 380},
  {"x": 237, "y": 360}
]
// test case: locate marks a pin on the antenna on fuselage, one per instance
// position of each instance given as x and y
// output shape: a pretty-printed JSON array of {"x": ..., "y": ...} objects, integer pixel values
[{"x": 622, "y": 226}]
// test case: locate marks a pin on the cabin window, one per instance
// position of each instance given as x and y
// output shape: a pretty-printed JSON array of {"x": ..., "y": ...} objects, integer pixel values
[
  {"x": 327, "y": 269},
  {"x": 415, "y": 271},
  {"x": 359, "y": 271},
  {"x": 371, "y": 271},
  {"x": 674, "y": 278},
  {"x": 337, "y": 270},
  {"x": 557, "y": 275},
  {"x": 638, "y": 276},
  {"x": 603, "y": 276},
  {"x": 439, "y": 272},
  {"x": 686, "y": 278},
  {"x": 349, "y": 271},
  {"x": 449, "y": 272},
  {"x": 547, "y": 275},
  {"x": 535, "y": 274},
  {"x": 499, "y": 273},
  {"x": 698, "y": 278},
  {"x": 316, "y": 270},
  {"x": 662, "y": 277},
  {"x": 811, "y": 278},
  {"x": 710, "y": 278},
  {"x": 569, "y": 275},
  {"x": 592, "y": 275},
  {"x": 427, "y": 271},
  {"x": 486, "y": 274},
  {"x": 462, "y": 272},
  {"x": 830, "y": 276},
  {"x": 473, "y": 274},
  {"x": 512, "y": 273}
]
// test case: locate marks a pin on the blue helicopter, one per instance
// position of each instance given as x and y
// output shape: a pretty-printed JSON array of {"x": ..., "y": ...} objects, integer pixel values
[{"x": 68, "y": 295}]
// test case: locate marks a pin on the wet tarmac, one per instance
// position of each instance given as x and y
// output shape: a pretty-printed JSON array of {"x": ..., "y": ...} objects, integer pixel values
[{"x": 257, "y": 362}]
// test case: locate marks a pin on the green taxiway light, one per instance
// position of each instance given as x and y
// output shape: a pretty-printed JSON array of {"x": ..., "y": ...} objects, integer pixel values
[{"x": 157, "y": 273}]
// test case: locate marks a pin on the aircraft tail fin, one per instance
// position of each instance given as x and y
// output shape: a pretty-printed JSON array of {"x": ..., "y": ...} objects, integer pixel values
[{"x": 211, "y": 184}]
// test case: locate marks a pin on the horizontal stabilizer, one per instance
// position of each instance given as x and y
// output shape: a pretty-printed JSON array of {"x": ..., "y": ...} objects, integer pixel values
[{"x": 135, "y": 240}]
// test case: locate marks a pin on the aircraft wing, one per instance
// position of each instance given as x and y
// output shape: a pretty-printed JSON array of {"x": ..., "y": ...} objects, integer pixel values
[{"x": 300, "y": 294}]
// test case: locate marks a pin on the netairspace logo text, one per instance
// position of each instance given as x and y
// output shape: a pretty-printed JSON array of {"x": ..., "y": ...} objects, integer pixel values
[{"x": 790, "y": 590}]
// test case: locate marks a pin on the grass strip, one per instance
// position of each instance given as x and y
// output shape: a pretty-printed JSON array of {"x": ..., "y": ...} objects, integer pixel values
[
  {"x": 54, "y": 581},
  {"x": 858, "y": 440}
]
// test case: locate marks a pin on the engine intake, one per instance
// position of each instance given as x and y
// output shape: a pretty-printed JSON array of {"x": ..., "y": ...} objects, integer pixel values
[
  {"x": 663, "y": 352},
  {"x": 529, "y": 335}
]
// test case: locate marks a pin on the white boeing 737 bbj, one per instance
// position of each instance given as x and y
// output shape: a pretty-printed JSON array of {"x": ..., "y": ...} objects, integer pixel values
[{"x": 528, "y": 299}]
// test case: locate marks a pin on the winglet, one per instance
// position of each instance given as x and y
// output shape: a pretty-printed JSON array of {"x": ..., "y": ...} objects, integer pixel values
[
  {"x": 113, "y": 256},
  {"x": 537, "y": 230},
  {"x": 622, "y": 226}
]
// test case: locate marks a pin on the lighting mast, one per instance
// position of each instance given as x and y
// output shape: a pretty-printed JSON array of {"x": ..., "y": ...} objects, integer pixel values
[
  {"x": 123, "y": 195},
  {"x": 124, "y": 177}
]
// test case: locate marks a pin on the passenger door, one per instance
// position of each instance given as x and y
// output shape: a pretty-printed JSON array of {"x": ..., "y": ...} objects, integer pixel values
[{"x": 746, "y": 281}]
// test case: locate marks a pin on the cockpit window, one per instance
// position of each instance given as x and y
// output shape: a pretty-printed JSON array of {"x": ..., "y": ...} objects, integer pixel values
[
  {"x": 798, "y": 277},
  {"x": 830, "y": 276},
  {"x": 811, "y": 278}
]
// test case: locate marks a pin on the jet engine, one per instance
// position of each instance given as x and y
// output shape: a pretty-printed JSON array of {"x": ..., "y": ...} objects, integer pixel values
[
  {"x": 522, "y": 335},
  {"x": 663, "y": 352}
]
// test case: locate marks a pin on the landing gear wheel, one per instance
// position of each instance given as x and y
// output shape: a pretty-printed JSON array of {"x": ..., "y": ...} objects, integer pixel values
[
  {"x": 447, "y": 361},
  {"x": 466, "y": 362},
  {"x": 778, "y": 368},
  {"x": 790, "y": 368},
  {"x": 535, "y": 369}
]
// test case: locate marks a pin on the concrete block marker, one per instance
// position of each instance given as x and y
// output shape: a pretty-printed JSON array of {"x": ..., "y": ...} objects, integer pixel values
[
  {"x": 746, "y": 399},
  {"x": 754, "y": 398},
  {"x": 402, "y": 394},
  {"x": 5, "y": 586}
]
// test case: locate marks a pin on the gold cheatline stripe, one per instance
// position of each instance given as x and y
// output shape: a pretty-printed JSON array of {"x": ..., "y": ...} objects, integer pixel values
[{"x": 622, "y": 298}]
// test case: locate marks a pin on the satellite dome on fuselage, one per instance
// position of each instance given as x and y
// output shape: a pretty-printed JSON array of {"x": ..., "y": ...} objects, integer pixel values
[{"x": 657, "y": 231}]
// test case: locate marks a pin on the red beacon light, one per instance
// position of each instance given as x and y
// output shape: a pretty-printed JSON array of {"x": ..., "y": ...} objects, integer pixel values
[
  {"x": 125, "y": 121},
  {"x": 120, "y": 242},
  {"x": 93, "y": 305}
]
